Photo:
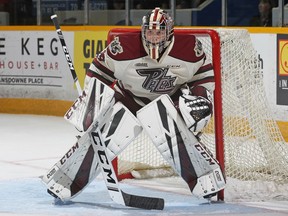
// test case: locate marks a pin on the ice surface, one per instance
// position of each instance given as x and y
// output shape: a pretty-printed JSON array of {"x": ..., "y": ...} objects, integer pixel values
[{"x": 31, "y": 144}]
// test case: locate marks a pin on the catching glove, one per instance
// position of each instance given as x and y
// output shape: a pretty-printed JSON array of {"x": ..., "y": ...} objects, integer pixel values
[{"x": 196, "y": 110}]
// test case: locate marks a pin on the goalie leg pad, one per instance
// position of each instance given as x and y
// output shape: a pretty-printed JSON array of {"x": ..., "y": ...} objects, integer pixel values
[
  {"x": 78, "y": 167},
  {"x": 72, "y": 173},
  {"x": 87, "y": 106},
  {"x": 178, "y": 146},
  {"x": 212, "y": 181},
  {"x": 121, "y": 130}
]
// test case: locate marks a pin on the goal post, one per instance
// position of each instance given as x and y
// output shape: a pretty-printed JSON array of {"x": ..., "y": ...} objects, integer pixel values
[{"x": 242, "y": 135}]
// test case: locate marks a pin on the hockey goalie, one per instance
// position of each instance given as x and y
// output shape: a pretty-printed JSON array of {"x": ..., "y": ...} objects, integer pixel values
[{"x": 152, "y": 80}]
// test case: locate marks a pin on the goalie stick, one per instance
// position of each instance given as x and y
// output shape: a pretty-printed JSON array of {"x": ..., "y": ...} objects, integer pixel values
[
  {"x": 115, "y": 192},
  {"x": 111, "y": 181},
  {"x": 108, "y": 171},
  {"x": 66, "y": 52}
]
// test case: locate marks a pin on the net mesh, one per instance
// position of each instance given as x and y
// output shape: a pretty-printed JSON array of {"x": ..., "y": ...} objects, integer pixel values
[{"x": 254, "y": 148}]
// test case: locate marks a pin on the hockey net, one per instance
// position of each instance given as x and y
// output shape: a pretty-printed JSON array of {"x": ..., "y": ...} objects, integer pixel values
[{"x": 243, "y": 135}]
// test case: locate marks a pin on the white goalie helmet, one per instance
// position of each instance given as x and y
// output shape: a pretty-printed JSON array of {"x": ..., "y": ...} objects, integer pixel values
[{"x": 157, "y": 32}]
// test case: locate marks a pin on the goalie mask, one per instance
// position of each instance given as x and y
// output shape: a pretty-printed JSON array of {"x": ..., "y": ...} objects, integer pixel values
[{"x": 157, "y": 32}]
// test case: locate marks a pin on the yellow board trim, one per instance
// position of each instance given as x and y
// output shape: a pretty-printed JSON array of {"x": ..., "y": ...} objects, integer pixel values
[
  {"x": 34, "y": 106},
  {"x": 283, "y": 126}
]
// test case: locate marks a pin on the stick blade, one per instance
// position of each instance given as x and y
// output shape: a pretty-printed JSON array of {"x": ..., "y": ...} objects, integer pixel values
[{"x": 143, "y": 202}]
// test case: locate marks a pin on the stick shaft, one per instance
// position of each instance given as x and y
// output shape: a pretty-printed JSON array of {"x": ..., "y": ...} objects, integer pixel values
[{"x": 66, "y": 52}]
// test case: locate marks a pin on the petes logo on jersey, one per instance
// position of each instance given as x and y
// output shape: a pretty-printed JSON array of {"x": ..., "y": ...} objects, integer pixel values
[
  {"x": 198, "y": 48},
  {"x": 115, "y": 46},
  {"x": 156, "y": 80}
]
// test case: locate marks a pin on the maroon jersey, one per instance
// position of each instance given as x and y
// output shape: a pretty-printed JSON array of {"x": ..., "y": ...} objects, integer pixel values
[{"x": 143, "y": 79}]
